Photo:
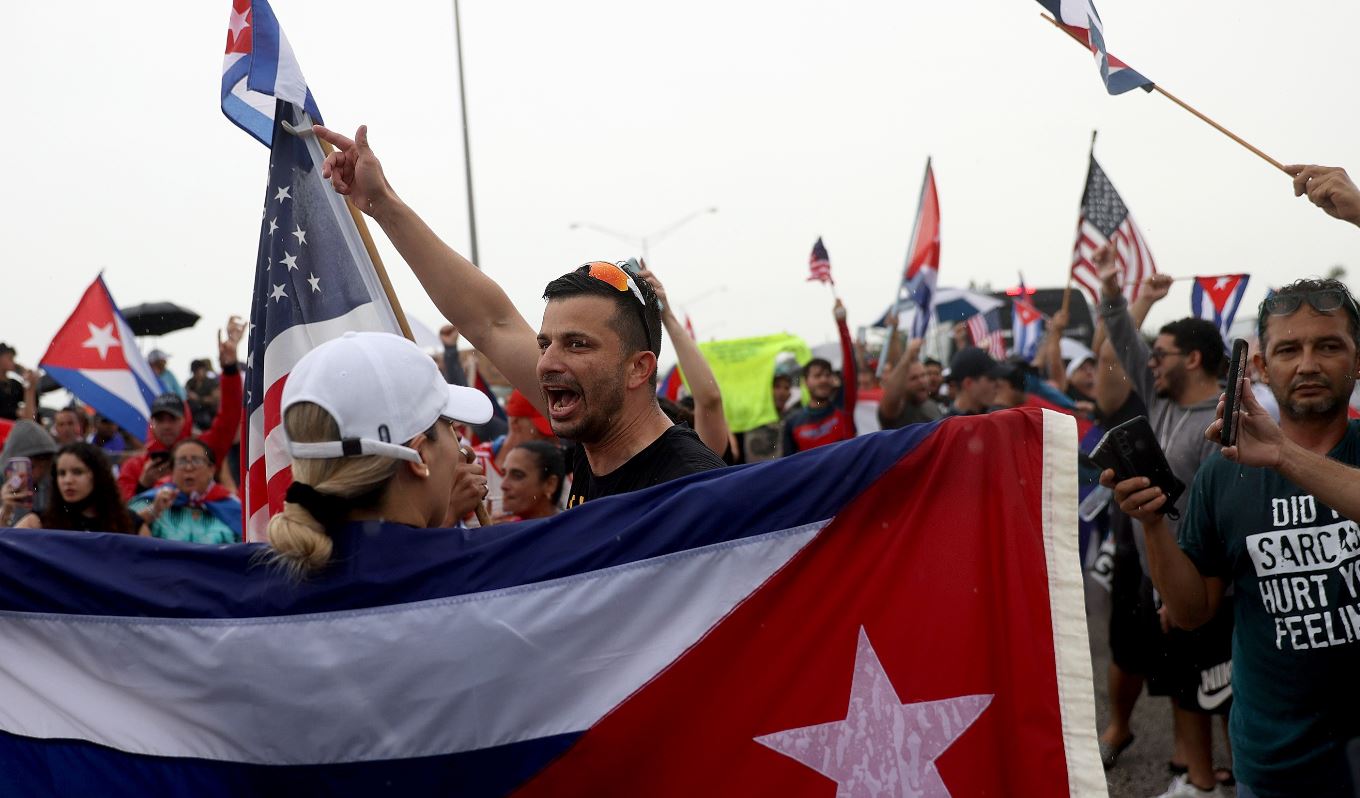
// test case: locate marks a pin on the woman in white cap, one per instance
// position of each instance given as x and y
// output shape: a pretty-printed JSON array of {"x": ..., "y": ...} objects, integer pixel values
[{"x": 368, "y": 422}]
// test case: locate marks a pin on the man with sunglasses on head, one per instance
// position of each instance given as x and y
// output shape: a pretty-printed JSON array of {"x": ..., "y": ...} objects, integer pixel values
[
  {"x": 1274, "y": 519},
  {"x": 1177, "y": 379},
  {"x": 591, "y": 367}
]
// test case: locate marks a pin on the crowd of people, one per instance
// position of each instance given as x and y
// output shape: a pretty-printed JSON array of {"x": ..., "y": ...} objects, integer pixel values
[{"x": 1224, "y": 602}]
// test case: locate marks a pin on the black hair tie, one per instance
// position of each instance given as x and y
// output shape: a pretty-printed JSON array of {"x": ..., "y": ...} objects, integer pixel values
[{"x": 327, "y": 508}]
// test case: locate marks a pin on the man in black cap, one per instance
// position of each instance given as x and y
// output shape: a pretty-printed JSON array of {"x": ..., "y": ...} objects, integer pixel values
[{"x": 972, "y": 379}]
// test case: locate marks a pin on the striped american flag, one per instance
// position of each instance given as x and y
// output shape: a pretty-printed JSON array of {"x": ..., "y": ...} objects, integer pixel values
[
  {"x": 819, "y": 265},
  {"x": 1105, "y": 218},
  {"x": 314, "y": 281},
  {"x": 985, "y": 330}
]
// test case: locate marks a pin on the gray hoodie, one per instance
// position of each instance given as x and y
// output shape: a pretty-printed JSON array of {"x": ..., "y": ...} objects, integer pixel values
[
  {"x": 29, "y": 439},
  {"x": 1179, "y": 429}
]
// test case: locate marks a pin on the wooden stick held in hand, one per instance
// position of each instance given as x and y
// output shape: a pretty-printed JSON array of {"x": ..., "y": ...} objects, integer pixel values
[{"x": 1173, "y": 98}]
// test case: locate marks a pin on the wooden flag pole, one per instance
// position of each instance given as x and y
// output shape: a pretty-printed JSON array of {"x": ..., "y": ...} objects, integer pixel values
[
  {"x": 1178, "y": 101},
  {"x": 362, "y": 225}
]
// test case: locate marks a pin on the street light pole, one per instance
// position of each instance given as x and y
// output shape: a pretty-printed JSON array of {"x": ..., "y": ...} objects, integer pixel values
[
  {"x": 467, "y": 150},
  {"x": 644, "y": 243}
]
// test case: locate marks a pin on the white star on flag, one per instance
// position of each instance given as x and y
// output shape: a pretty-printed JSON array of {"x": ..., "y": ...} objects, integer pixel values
[
  {"x": 278, "y": 294},
  {"x": 238, "y": 23},
  {"x": 283, "y": 194},
  {"x": 273, "y": 225},
  {"x": 101, "y": 338},
  {"x": 289, "y": 260},
  {"x": 883, "y": 745},
  {"x": 314, "y": 281},
  {"x": 301, "y": 235}
]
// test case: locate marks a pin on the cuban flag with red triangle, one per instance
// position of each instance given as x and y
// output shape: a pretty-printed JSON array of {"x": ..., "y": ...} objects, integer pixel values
[
  {"x": 95, "y": 356},
  {"x": 858, "y": 615},
  {"x": 1217, "y": 297}
]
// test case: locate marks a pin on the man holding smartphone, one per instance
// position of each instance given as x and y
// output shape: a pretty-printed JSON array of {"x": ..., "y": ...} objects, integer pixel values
[
  {"x": 1177, "y": 380},
  {"x": 1274, "y": 517}
]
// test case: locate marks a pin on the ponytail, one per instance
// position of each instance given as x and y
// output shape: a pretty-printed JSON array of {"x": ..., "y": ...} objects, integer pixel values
[{"x": 301, "y": 542}]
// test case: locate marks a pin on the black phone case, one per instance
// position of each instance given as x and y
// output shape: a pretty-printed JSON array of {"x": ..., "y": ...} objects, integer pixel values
[
  {"x": 1131, "y": 449},
  {"x": 1237, "y": 365}
]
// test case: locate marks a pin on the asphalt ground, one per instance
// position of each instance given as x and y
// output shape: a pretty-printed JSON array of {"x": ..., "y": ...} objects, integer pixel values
[{"x": 1142, "y": 768}]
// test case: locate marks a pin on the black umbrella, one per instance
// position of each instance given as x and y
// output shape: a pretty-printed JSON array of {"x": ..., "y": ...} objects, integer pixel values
[{"x": 158, "y": 318}]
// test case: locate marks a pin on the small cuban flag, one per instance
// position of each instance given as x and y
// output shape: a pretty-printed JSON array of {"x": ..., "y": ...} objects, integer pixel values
[
  {"x": 95, "y": 356},
  {"x": 259, "y": 69},
  {"x": 1027, "y": 327},
  {"x": 1216, "y": 298}
]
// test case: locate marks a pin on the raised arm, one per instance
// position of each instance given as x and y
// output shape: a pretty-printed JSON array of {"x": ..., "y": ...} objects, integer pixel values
[
  {"x": 849, "y": 368},
  {"x": 1329, "y": 188},
  {"x": 709, "y": 421},
  {"x": 467, "y": 297},
  {"x": 1120, "y": 326},
  {"x": 1049, "y": 356},
  {"x": 1191, "y": 597},
  {"x": 895, "y": 383}
]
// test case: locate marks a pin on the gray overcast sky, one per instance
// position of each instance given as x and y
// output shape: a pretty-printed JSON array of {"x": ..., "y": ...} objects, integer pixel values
[{"x": 795, "y": 118}]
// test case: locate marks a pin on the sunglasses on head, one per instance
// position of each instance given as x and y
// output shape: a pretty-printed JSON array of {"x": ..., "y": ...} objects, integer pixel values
[
  {"x": 620, "y": 280},
  {"x": 1323, "y": 300}
]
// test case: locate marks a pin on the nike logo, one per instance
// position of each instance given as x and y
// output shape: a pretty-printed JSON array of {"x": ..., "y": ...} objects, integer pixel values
[{"x": 1213, "y": 699}]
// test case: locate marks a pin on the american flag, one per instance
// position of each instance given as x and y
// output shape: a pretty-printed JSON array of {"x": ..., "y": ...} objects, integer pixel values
[
  {"x": 985, "y": 330},
  {"x": 819, "y": 265},
  {"x": 314, "y": 281},
  {"x": 1105, "y": 218}
]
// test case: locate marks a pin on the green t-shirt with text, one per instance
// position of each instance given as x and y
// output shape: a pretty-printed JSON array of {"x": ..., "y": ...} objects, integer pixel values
[{"x": 1294, "y": 566}]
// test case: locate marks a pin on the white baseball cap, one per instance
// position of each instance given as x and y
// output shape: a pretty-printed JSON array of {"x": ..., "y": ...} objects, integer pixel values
[{"x": 382, "y": 391}]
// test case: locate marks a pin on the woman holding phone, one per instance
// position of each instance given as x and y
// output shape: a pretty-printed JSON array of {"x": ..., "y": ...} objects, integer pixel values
[{"x": 84, "y": 496}]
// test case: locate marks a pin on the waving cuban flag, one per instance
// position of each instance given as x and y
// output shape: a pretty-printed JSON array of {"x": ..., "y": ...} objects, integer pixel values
[
  {"x": 1223, "y": 293},
  {"x": 759, "y": 630},
  {"x": 95, "y": 356},
  {"x": 259, "y": 68},
  {"x": 1079, "y": 17}
]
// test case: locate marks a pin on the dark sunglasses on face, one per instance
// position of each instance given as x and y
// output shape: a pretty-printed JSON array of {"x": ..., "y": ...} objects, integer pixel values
[{"x": 1157, "y": 355}]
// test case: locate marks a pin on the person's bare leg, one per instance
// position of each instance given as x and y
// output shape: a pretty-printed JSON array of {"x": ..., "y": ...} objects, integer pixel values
[
  {"x": 1197, "y": 746},
  {"x": 1125, "y": 688}
]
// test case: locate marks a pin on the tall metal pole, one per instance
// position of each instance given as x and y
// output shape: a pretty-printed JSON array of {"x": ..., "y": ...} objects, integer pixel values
[{"x": 467, "y": 151}]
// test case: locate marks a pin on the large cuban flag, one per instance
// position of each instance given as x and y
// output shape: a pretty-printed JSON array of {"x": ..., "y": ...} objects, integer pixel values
[
  {"x": 95, "y": 356},
  {"x": 833, "y": 618},
  {"x": 259, "y": 68},
  {"x": 1217, "y": 298}
]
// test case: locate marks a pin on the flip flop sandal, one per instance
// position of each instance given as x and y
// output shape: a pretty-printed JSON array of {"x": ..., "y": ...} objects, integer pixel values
[
  {"x": 1109, "y": 754},
  {"x": 1224, "y": 776}
]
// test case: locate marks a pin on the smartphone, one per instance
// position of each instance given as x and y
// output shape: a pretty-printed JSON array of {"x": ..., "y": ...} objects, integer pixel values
[
  {"x": 1232, "y": 402},
  {"x": 1131, "y": 450},
  {"x": 159, "y": 457},
  {"x": 19, "y": 473}
]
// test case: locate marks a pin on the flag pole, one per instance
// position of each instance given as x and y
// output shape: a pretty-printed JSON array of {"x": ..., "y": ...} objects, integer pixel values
[
  {"x": 1178, "y": 101},
  {"x": 897, "y": 298},
  {"x": 1067, "y": 289},
  {"x": 327, "y": 149}
]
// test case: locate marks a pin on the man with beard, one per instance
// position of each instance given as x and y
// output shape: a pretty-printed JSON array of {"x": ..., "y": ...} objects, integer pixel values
[
  {"x": 591, "y": 368},
  {"x": 1177, "y": 379},
  {"x": 1274, "y": 517}
]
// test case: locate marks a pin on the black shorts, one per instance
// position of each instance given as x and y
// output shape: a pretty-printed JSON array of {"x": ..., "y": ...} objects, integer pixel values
[
  {"x": 1198, "y": 665},
  {"x": 1136, "y": 640}
]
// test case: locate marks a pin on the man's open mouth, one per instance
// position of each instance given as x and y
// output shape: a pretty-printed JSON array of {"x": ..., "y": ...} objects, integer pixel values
[{"x": 561, "y": 401}]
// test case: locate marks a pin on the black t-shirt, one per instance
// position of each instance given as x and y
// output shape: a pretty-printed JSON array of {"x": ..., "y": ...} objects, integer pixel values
[
  {"x": 677, "y": 453},
  {"x": 11, "y": 396}
]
